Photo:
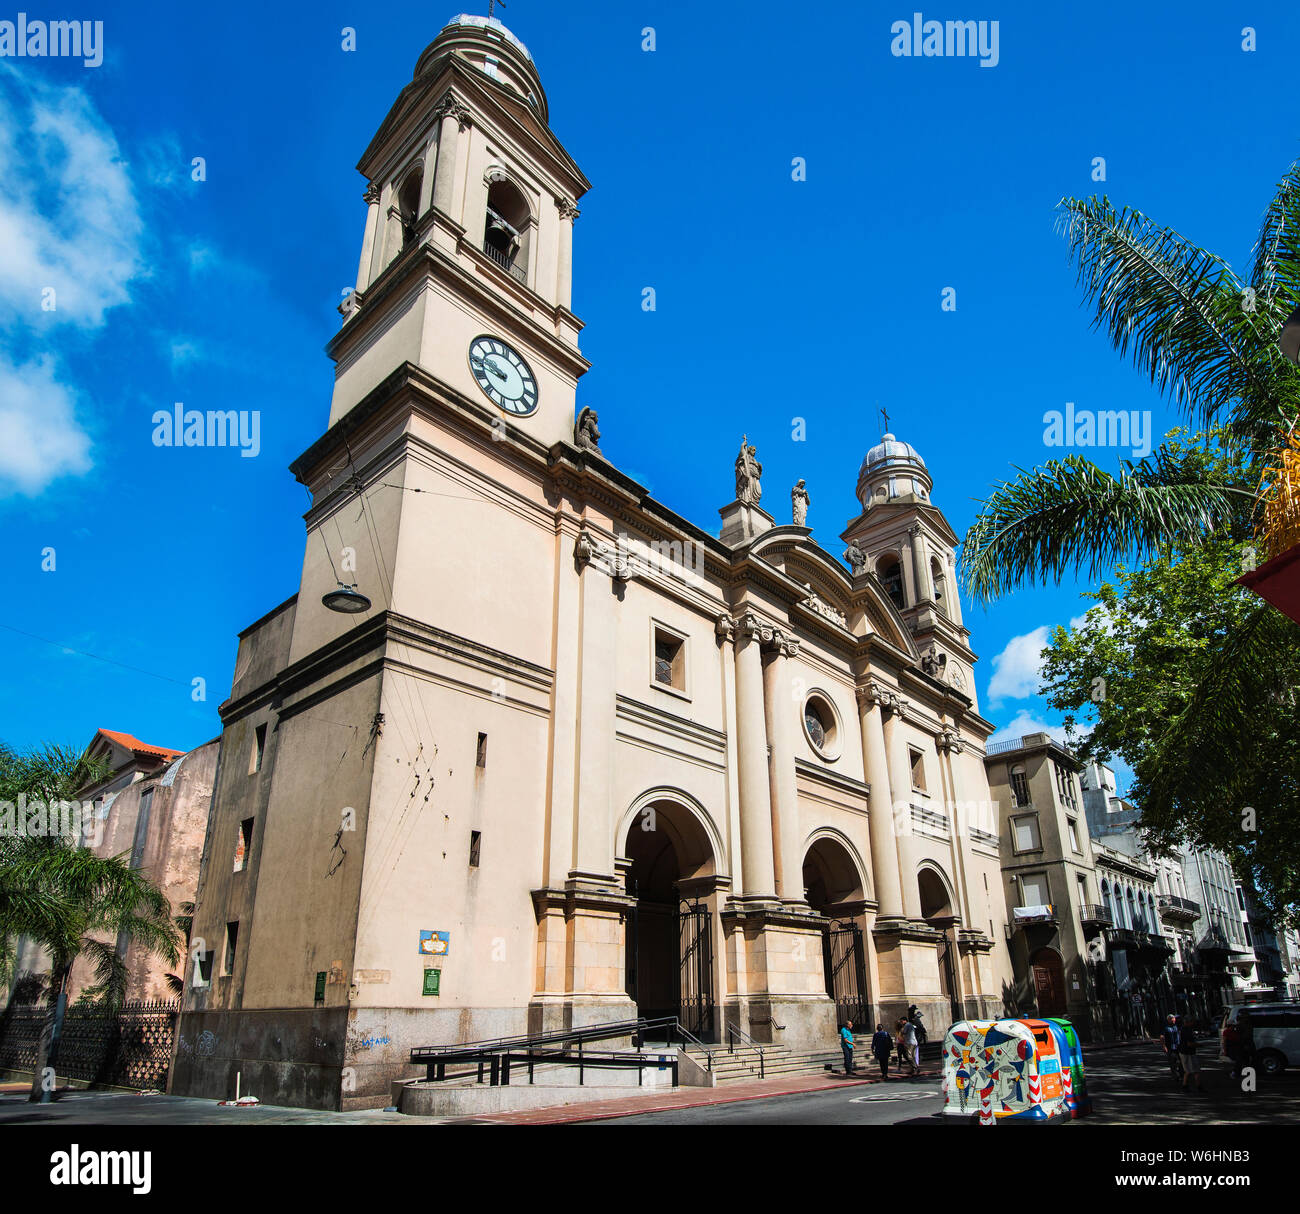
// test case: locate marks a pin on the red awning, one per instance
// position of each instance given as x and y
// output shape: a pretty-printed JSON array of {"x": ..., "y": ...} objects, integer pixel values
[{"x": 1278, "y": 582}]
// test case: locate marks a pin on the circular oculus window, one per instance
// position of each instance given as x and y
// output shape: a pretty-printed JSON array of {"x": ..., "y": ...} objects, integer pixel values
[{"x": 821, "y": 725}]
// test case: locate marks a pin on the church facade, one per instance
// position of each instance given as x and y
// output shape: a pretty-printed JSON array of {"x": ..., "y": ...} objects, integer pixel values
[{"x": 529, "y": 750}]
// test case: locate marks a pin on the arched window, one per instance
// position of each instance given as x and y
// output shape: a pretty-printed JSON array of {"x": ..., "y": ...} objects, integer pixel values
[
  {"x": 1128, "y": 909},
  {"x": 505, "y": 232},
  {"x": 408, "y": 205},
  {"x": 1019, "y": 785},
  {"x": 890, "y": 573}
]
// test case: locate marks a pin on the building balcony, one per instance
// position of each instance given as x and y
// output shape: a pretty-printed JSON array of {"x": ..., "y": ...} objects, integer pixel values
[
  {"x": 1033, "y": 916},
  {"x": 1095, "y": 914},
  {"x": 505, "y": 261},
  {"x": 1174, "y": 909}
]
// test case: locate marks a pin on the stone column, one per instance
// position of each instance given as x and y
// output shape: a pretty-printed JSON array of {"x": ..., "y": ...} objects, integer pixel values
[
  {"x": 779, "y": 711},
  {"x": 920, "y": 566},
  {"x": 564, "y": 274},
  {"x": 954, "y": 599},
  {"x": 455, "y": 118},
  {"x": 884, "y": 848},
  {"x": 900, "y": 772},
  {"x": 371, "y": 198},
  {"x": 751, "y": 729},
  {"x": 959, "y": 821}
]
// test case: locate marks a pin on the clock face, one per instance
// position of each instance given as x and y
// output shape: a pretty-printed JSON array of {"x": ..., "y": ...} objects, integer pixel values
[{"x": 506, "y": 379}]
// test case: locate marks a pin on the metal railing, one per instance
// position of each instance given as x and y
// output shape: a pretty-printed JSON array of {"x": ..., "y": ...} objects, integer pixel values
[
  {"x": 734, "y": 1031},
  {"x": 506, "y": 262},
  {"x": 1095, "y": 913},
  {"x": 1178, "y": 905},
  {"x": 496, "y": 1055}
]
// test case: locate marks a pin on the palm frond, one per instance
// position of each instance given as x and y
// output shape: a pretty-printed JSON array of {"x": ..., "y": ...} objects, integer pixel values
[
  {"x": 1275, "y": 274},
  {"x": 1072, "y": 515}
]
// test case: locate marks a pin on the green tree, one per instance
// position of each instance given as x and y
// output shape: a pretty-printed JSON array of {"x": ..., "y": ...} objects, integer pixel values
[
  {"x": 63, "y": 896},
  {"x": 1145, "y": 667}
]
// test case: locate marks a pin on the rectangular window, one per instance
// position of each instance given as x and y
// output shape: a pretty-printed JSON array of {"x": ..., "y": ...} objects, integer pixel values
[
  {"x": 1024, "y": 833},
  {"x": 1083, "y": 889},
  {"x": 1020, "y": 788},
  {"x": 918, "y": 769},
  {"x": 320, "y": 987},
  {"x": 1033, "y": 891},
  {"x": 480, "y": 752},
  {"x": 259, "y": 749},
  {"x": 232, "y": 941},
  {"x": 243, "y": 844},
  {"x": 475, "y": 840},
  {"x": 669, "y": 659},
  {"x": 1074, "y": 834},
  {"x": 204, "y": 959}
]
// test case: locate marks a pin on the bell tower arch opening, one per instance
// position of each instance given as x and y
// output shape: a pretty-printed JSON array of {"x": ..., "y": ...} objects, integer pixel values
[
  {"x": 669, "y": 866},
  {"x": 507, "y": 226}
]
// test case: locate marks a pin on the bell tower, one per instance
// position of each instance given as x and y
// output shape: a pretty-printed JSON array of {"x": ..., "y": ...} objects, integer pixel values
[
  {"x": 466, "y": 259},
  {"x": 910, "y": 547}
]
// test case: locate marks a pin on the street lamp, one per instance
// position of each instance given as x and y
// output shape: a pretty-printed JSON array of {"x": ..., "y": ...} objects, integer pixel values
[{"x": 346, "y": 599}]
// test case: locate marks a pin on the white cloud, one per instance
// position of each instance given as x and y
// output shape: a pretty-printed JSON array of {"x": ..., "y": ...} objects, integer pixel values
[
  {"x": 40, "y": 438},
  {"x": 69, "y": 218},
  {"x": 1016, "y": 669}
]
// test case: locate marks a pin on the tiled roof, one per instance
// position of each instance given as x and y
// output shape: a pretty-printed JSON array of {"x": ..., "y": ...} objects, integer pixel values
[{"x": 134, "y": 745}]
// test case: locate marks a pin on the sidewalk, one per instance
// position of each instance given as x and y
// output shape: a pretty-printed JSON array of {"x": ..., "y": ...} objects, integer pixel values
[{"x": 685, "y": 1098}]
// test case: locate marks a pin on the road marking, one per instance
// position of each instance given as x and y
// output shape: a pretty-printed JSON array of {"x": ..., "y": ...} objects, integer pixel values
[{"x": 894, "y": 1096}]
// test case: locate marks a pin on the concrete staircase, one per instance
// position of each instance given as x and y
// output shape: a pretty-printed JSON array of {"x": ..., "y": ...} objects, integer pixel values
[{"x": 742, "y": 1065}]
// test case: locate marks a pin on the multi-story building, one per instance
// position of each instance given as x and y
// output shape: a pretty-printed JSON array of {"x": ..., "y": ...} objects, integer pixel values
[
  {"x": 562, "y": 756},
  {"x": 1050, "y": 880}
]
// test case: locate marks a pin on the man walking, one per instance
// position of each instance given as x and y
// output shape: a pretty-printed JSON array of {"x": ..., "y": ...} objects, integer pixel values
[
  {"x": 1187, "y": 1053},
  {"x": 907, "y": 1046},
  {"x": 1245, "y": 1051},
  {"x": 882, "y": 1046},
  {"x": 1169, "y": 1043},
  {"x": 846, "y": 1044}
]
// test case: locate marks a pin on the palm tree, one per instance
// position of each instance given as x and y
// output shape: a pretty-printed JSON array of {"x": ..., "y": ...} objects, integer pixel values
[
  {"x": 1207, "y": 340},
  {"x": 64, "y": 897}
]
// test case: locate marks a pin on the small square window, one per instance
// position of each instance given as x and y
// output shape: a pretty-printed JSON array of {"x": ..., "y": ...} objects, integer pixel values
[
  {"x": 669, "y": 659},
  {"x": 918, "y": 769},
  {"x": 243, "y": 844},
  {"x": 475, "y": 843},
  {"x": 232, "y": 942}
]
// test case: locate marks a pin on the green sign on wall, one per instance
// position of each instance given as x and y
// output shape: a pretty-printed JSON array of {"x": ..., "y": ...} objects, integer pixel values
[
  {"x": 431, "y": 979},
  {"x": 320, "y": 987}
]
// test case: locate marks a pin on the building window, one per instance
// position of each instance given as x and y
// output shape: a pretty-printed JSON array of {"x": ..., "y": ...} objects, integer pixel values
[
  {"x": 480, "y": 751},
  {"x": 408, "y": 205},
  {"x": 1074, "y": 833},
  {"x": 232, "y": 941},
  {"x": 917, "y": 760},
  {"x": 669, "y": 659},
  {"x": 821, "y": 725},
  {"x": 940, "y": 585},
  {"x": 1034, "y": 891},
  {"x": 1083, "y": 889},
  {"x": 259, "y": 750},
  {"x": 1024, "y": 833},
  {"x": 475, "y": 841},
  {"x": 506, "y": 229},
  {"x": 243, "y": 844},
  {"x": 1019, "y": 786}
]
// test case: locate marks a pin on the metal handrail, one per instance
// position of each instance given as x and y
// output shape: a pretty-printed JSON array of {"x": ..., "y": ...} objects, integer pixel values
[{"x": 734, "y": 1030}]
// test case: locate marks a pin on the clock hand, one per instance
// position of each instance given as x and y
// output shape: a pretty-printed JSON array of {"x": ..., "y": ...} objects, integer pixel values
[{"x": 490, "y": 366}]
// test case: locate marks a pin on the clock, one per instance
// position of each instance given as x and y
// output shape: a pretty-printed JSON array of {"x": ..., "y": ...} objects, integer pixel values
[{"x": 506, "y": 379}]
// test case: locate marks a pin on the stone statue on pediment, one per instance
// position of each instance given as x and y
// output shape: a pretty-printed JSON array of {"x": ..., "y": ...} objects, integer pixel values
[
  {"x": 586, "y": 434},
  {"x": 748, "y": 470},
  {"x": 799, "y": 503}
]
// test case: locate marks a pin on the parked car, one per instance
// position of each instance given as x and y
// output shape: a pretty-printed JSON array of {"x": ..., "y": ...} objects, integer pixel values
[{"x": 1277, "y": 1034}]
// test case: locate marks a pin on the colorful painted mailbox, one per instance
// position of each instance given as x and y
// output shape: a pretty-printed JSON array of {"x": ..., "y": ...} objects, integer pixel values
[
  {"x": 1077, "y": 1099},
  {"x": 1011, "y": 1070}
]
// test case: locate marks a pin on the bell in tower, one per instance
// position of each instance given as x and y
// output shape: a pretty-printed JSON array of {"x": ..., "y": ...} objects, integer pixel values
[{"x": 466, "y": 259}]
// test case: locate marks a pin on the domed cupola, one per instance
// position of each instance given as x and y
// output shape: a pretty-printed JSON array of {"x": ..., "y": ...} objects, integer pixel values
[
  {"x": 486, "y": 44},
  {"x": 893, "y": 471}
]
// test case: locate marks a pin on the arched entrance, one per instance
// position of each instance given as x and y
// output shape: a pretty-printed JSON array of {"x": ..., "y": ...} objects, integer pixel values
[
  {"x": 833, "y": 887},
  {"x": 670, "y": 953},
  {"x": 1049, "y": 981},
  {"x": 938, "y": 911}
]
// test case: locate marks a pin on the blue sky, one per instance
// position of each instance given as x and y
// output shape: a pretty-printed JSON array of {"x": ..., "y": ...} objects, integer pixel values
[{"x": 776, "y": 298}]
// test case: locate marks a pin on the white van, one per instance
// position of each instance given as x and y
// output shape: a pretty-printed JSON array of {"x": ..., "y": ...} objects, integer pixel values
[{"x": 1277, "y": 1034}]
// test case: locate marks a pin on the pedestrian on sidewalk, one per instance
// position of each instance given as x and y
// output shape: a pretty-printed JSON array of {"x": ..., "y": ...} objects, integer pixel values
[
  {"x": 1245, "y": 1044},
  {"x": 846, "y": 1044},
  {"x": 1187, "y": 1053},
  {"x": 907, "y": 1046},
  {"x": 1169, "y": 1043},
  {"x": 914, "y": 1015},
  {"x": 882, "y": 1045}
]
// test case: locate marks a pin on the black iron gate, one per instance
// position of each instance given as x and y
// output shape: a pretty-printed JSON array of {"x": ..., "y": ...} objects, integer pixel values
[
  {"x": 695, "y": 935},
  {"x": 948, "y": 973},
  {"x": 846, "y": 972}
]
